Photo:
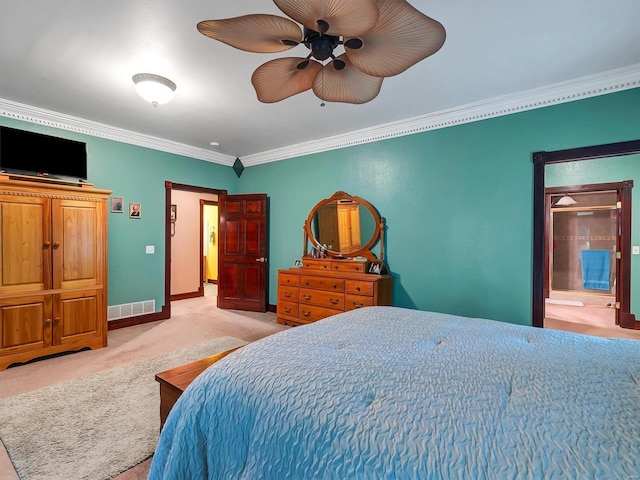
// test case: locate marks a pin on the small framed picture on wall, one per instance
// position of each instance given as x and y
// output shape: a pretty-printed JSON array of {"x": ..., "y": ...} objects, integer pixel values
[
  {"x": 135, "y": 210},
  {"x": 117, "y": 204}
]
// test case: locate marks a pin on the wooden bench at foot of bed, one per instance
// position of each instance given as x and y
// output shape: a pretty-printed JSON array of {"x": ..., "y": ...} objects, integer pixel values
[{"x": 174, "y": 381}]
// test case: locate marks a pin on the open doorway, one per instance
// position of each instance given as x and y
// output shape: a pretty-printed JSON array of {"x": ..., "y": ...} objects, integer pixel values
[
  {"x": 625, "y": 156},
  {"x": 210, "y": 220},
  {"x": 187, "y": 241},
  {"x": 583, "y": 241}
]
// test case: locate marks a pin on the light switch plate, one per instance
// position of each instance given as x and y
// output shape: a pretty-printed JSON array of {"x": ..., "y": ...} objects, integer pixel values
[
  {"x": 635, "y": 250},
  {"x": 151, "y": 249}
]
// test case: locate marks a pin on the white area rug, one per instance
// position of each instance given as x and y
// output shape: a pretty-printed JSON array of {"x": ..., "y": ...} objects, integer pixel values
[{"x": 92, "y": 427}]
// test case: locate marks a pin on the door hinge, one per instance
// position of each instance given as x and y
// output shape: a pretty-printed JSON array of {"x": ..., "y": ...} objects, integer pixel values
[
  {"x": 617, "y": 305},
  {"x": 618, "y": 204},
  {"x": 618, "y": 255}
]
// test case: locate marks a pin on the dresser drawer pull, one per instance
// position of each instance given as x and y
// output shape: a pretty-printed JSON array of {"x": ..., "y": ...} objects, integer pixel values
[
  {"x": 305, "y": 313},
  {"x": 358, "y": 305},
  {"x": 335, "y": 285},
  {"x": 306, "y": 297},
  {"x": 324, "y": 266},
  {"x": 287, "y": 294},
  {"x": 287, "y": 310},
  {"x": 306, "y": 282},
  {"x": 357, "y": 269},
  {"x": 334, "y": 301},
  {"x": 358, "y": 289}
]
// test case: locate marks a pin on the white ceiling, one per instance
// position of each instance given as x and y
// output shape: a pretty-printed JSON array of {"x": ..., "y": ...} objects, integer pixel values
[{"x": 77, "y": 57}]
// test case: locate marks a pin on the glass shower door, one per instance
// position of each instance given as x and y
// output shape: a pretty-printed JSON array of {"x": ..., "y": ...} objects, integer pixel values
[{"x": 584, "y": 244}]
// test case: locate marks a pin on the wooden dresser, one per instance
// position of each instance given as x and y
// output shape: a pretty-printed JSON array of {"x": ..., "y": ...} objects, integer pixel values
[{"x": 325, "y": 287}]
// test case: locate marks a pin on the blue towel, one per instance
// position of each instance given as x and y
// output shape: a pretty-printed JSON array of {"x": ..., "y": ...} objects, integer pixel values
[{"x": 595, "y": 269}]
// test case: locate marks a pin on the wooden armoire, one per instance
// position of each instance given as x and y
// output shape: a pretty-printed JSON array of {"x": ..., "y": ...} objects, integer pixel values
[{"x": 53, "y": 268}]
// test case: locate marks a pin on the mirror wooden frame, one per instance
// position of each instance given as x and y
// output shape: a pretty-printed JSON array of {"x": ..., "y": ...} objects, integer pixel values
[
  {"x": 540, "y": 159},
  {"x": 363, "y": 251}
]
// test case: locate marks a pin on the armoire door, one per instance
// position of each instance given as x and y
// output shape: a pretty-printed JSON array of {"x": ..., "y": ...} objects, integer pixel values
[
  {"x": 77, "y": 243},
  {"x": 25, "y": 244}
]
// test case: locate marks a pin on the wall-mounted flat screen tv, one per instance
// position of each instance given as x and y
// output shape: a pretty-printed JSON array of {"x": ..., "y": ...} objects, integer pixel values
[{"x": 30, "y": 153}]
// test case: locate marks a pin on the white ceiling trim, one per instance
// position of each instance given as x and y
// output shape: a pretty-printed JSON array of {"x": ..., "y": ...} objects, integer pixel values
[
  {"x": 590, "y": 86},
  {"x": 27, "y": 113}
]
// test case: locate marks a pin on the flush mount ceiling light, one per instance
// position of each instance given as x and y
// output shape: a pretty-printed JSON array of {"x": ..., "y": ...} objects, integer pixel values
[
  {"x": 154, "y": 88},
  {"x": 380, "y": 38},
  {"x": 565, "y": 201}
]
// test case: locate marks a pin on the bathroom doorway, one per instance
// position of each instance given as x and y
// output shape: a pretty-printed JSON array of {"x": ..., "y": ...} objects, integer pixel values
[{"x": 583, "y": 245}]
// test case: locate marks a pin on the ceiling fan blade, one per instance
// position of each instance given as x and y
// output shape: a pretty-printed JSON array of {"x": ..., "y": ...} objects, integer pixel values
[
  {"x": 402, "y": 37},
  {"x": 344, "y": 17},
  {"x": 282, "y": 78},
  {"x": 257, "y": 33},
  {"x": 347, "y": 85}
]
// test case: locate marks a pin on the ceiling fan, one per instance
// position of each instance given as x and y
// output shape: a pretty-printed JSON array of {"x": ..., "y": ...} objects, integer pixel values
[{"x": 381, "y": 38}]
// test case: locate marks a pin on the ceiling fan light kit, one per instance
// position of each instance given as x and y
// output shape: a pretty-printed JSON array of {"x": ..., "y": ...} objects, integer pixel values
[{"x": 380, "y": 39}]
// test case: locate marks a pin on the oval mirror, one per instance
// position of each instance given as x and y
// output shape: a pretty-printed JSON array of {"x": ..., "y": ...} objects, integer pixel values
[{"x": 348, "y": 226}]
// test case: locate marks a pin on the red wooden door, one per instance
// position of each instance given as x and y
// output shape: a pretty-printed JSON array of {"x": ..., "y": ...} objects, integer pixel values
[{"x": 242, "y": 251}]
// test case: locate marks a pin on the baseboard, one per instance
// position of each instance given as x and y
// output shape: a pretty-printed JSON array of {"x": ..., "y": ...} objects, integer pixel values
[
  {"x": 183, "y": 296},
  {"x": 164, "y": 314},
  {"x": 272, "y": 308}
]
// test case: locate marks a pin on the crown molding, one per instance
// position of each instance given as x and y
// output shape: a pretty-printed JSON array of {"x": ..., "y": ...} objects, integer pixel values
[
  {"x": 48, "y": 118},
  {"x": 590, "y": 86},
  {"x": 569, "y": 91}
]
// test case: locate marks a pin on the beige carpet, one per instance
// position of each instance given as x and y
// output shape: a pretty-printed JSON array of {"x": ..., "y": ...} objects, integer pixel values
[
  {"x": 95, "y": 426},
  {"x": 193, "y": 321}
]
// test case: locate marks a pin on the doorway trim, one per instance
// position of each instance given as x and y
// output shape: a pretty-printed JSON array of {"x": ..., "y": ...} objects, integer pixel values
[
  {"x": 540, "y": 160},
  {"x": 169, "y": 186}
]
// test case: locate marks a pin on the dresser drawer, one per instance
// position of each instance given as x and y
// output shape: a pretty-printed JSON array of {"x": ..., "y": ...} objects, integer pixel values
[
  {"x": 288, "y": 293},
  {"x": 287, "y": 309},
  {"x": 357, "y": 301},
  {"x": 322, "y": 298},
  {"x": 288, "y": 279},
  {"x": 311, "y": 313},
  {"x": 322, "y": 283},
  {"x": 349, "y": 266},
  {"x": 357, "y": 287},
  {"x": 317, "y": 264}
]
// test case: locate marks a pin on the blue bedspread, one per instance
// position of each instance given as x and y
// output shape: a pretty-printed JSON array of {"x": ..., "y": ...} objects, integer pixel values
[{"x": 390, "y": 393}]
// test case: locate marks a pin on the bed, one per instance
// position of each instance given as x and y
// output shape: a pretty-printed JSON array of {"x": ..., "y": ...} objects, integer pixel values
[{"x": 392, "y": 393}]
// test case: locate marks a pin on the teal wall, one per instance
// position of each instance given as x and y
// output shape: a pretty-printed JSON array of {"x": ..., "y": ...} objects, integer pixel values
[
  {"x": 138, "y": 174},
  {"x": 601, "y": 171},
  {"x": 458, "y": 201}
]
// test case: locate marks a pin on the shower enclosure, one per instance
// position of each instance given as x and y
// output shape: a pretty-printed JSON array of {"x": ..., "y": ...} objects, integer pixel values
[{"x": 583, "y": 243}]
